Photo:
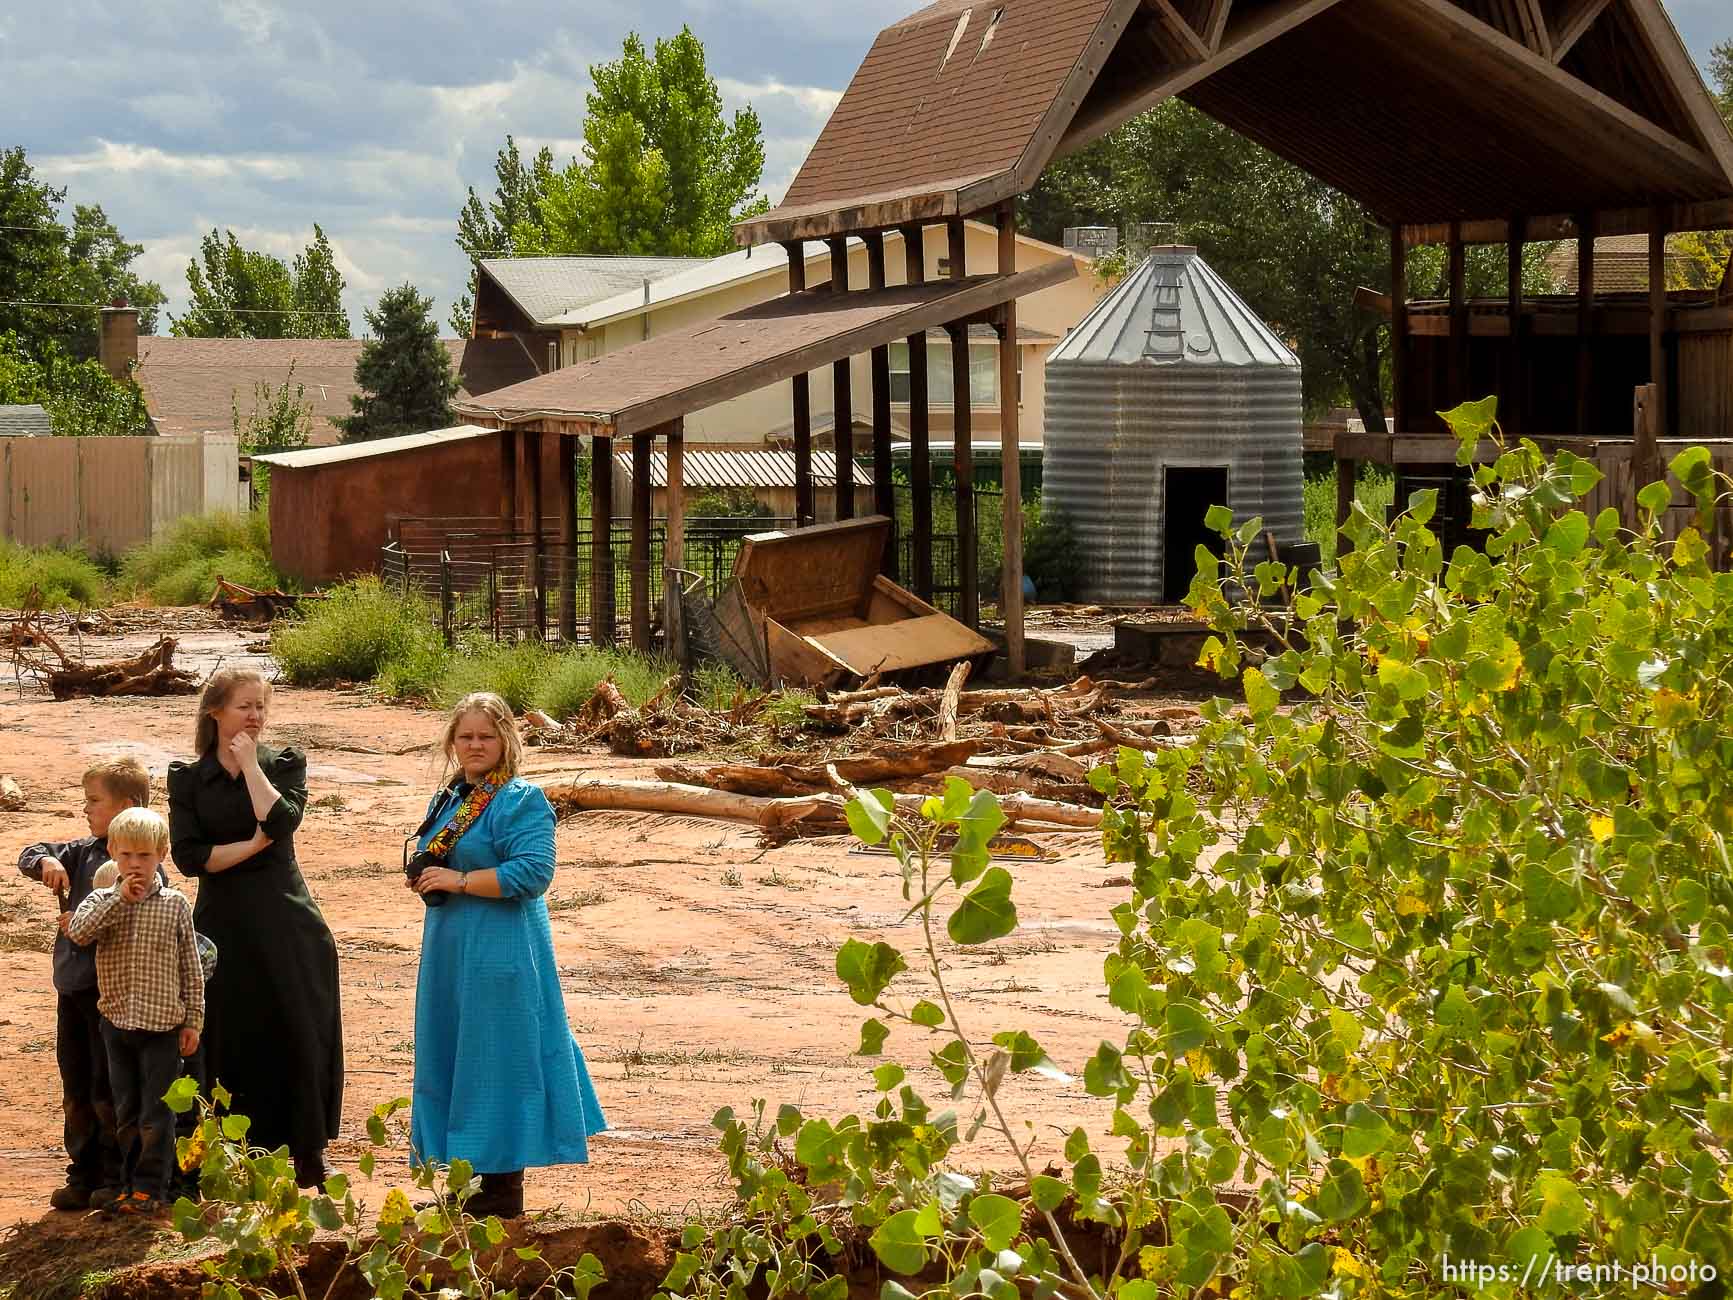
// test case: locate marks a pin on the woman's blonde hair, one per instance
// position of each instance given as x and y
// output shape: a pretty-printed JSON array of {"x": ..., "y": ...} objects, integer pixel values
[
  {"x": 217, "y": 693},
  {"x": 138, "y": 828},
  {"x": 496, "y": 711}
]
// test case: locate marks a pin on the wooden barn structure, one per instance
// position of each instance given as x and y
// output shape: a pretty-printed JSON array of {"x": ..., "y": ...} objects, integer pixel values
[{"x": 1461, "y": 120}]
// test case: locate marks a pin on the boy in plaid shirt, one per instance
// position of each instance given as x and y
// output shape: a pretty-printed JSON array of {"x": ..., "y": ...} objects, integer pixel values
[{"x": 152, "y": 999}]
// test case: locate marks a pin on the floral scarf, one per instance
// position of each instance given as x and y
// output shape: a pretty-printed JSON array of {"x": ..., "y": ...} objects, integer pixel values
[{"x": 474, "y": 804}]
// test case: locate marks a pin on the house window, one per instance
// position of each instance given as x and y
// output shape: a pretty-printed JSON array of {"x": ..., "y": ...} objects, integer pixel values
[{"x": 983, "y": 373}]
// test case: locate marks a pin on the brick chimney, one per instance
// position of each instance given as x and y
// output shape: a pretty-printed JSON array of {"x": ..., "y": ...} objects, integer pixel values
[{"x": 117, "y": 347}]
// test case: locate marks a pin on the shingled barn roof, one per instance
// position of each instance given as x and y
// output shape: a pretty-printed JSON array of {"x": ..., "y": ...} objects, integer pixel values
[{"x": 1424, "y": 110}]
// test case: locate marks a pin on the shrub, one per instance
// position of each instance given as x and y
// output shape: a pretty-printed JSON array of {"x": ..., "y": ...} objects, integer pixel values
[
  {"x": 1375, "y": 490},
  {"x": 363, "y": 630},
  {"x": 1431, "y": 960},
  {"x": 727, "y": 503},
  {"x": 1051, "y": 557},
  {"x": 182, "y": 566},
  {"x": 573, "y": 675},
  {"x": 62, "y": 577},
  {"x": 514, "y": 671}
]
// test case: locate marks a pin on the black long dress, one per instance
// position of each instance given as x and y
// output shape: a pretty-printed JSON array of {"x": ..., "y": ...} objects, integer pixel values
[{"x": 273, "y": 1025}]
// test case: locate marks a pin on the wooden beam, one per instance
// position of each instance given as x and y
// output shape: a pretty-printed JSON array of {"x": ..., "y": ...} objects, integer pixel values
[
  {"x": 1176, "y": 26},
  {"x": 920, "y": 449},
  {"x": 884, "y": 486},
  {"x": 1010, "y": 457},
  {"x": 508, "y": 511},
  {"x": 1347, "y": 479},
  {"x": 1511, "y": 407},
  {"x": 568, "y": 515},
  {"x": 641, "y": 444},
  {"x": 1682, "y": 77},
  {"x": 602, "y": 541},
  {"x": 1714, "y": 214},
  {"x": 674, "y": 544},
  {"x": 1645, "y": 454},
  {"x": 1250, "y": 34},
  {"x": 1535, "y": 33},
  {"x": 842, "y": 394},
  {"x": 963, "y": 466},
  {"x": 1572, "y": 24},
  {"x": 1217, "y": 25},
  {"x": 538, "y": 532},
  {"x": 1585, "y": 324},
  {"x": 1509, "y": 66},
  {"x": 1398, "y": 328},
  {"x": 1658, "y": 327},
  {"x": 803, "y": 492},
  {"x": 1457, "y": 363}
]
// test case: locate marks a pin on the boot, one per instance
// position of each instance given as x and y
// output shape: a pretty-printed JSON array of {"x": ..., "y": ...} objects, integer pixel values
[
  {"x": 312, "y": 1169},
  {"x": 501, "y": 1196}
]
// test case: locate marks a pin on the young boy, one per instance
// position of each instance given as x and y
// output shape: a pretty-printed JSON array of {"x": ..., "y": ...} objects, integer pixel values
[
  {"x": 68, "y": 868},
  {"x": 152, "y": 999}
]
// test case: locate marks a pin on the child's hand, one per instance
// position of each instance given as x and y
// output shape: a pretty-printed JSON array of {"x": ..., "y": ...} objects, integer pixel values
[
  {"x": 133, "y": 890},
  {"x": 189, "y": 1040},
  {"x": 66, "y": 924},
  {"x": 54, "y": 875}
]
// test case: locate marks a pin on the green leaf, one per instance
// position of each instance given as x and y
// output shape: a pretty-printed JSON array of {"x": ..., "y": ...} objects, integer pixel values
[
  {"x": 1186, "y": 1028},
  {"x": 888, "y": 1076},
  {"x": 1219, "y": 519},
  {"x": 868, "y": 969},
  {"x": 929, "y": 1015},
  {"x": 1076, "y": 1145},
  {"x": 529, "y": 1254},
  {"x": 986, "y": 912},
  {"x": 235, "y": 1127},
  {"x": 997, "y": 1218},
  {"x": 1472, "y": 421},
  {"x": 1568, "y": 536},
  {"x": 869, "y": 817},
  {"x": 873, "y": 1033},
  {"x": 686, "y": 1266},
  {"x": 1027, "y": 1057},
  {"x": 975, "y": 831},
  {"x": 1404, "y": 739},
  {"x": 1342, "y": 1193},
  {"x": 898, "y": 1245},
  {"x": 832, "y": 1288},
  {"x": 1366, "y": 1133},
  {"x": 1261, "y": 697},
  {"x": 1656, "y": 497},
  {"x": 1562, "y": 1207},
  {"x": 364, "y": 1162},
  {"x": 325, "y": 1213},
  {"x": 1105, "y": 1075},
  {"x": 1048, "y": 1193},
  {"x": 182, "y": 1095}
]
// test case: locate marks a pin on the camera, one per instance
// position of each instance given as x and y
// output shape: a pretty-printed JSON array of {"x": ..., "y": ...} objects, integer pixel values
[{"x": 417, "y": 861}]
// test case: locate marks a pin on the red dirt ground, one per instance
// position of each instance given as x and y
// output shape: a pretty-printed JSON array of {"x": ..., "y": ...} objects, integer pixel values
[{"x": 687, "y": 992}]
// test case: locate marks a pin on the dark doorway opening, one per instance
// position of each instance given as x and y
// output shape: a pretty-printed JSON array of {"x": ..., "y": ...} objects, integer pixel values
[{"x": 1191, "y": 491}]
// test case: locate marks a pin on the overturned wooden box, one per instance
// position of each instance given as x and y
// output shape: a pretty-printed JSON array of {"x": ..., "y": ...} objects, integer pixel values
[{"x": 810, "y": 608}]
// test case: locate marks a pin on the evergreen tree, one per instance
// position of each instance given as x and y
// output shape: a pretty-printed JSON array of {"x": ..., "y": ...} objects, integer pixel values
[
  {"x": 663, "y": 172},
  {"x": 486, "y": 229},
  {"x": 239, "y": 293},
  {"x": 404, "y": 371}
]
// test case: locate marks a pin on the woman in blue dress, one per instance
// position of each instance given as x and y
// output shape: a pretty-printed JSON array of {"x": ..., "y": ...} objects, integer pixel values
[{"x": 499, "y": 1079}]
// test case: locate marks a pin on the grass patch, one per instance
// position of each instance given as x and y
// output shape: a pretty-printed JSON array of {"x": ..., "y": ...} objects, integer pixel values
[
  {"x": 364, "y": 633},
  {"x": 182, "y": 566},
  {"x": 1375, "y": 490},
  {"x": 583, "y": 898},
  {"x": 574, "y": 675},
  {"x": 66, "y": 579},
  {"x": 515, "y": 671}
]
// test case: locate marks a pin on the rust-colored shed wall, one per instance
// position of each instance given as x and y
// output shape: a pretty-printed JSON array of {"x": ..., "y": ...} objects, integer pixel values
[{"x": 330, "y": 521}]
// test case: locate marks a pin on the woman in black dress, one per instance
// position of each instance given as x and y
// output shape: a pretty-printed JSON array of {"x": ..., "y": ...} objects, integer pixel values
[{"x": 274, "y": 1033}]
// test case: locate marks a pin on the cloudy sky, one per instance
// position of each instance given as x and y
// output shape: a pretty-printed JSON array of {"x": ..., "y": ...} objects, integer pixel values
[{"x": 372, "y": 117}]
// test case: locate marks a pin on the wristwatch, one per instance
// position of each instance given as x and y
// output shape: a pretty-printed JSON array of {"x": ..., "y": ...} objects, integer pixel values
[{"x": 463, "y": 882}]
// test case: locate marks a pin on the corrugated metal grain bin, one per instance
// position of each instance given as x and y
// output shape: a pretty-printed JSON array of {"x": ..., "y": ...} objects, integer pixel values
[{"x": 1170, "y": 397}]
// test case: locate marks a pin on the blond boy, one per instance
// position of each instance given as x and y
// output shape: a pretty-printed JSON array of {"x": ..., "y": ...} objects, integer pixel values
[
  {"x": 152, "y": 999},
  {"x": 69, "y": 868}
]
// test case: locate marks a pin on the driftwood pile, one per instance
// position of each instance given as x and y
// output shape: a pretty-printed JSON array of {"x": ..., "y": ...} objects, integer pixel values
[
  {"x": 235, "y": 603},
  {"x": 1034, "y": 748},
  {"x": 37, "y": 653},
  {"x": 667, "y": 724}
]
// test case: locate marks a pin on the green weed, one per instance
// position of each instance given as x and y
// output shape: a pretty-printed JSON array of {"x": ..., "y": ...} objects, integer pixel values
[
  {"x": 65, "y": 578},
  {"x": 362, "y": 633},
  {"x": 182, "y": 566}
]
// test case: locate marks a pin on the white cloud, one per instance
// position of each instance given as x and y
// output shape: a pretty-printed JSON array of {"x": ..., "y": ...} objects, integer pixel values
[
  {"x": 817, "y": 101},
  {"x": 252, "y": 19},
  {"x": 181, "y": 111},
  {"x": 117, "y": 157}
]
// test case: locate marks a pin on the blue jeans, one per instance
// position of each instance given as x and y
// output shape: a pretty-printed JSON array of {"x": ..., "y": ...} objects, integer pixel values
[{"x": 142, "y": 1065}]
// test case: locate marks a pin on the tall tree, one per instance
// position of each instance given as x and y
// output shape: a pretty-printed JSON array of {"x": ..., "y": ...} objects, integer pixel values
[
  {"x": 78, "y": 268},
  {"x": 663, "y": 172},
  {"x": 1721, "y": 71},
  {"x": 404, "y": 371},
  {"x": 488, "y": 229},
  {"x": 81, "y": 398},
  {"x": 239, "y": 293},
  {"x": 1702, "y": 259}
]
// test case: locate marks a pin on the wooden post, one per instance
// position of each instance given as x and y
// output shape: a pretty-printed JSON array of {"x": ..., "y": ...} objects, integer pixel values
[
  {"x": 1347, "y": 478},
  {"x": 884, "y": 486},
  {"x": 962, "y": 444},
  {"x": 602, "y": 627},
  {"x": 920, "y": 453},
  {"x": 1511, "y": 401},
  {"x": 804, "y": 513},
  {"x": 674, "y": 547},
  {"x": 1398, "y": 329},
  {"x": 1585, "y": 324},
  {"x": 1010, "y": 455},
  {"x": 842, "y": 401},
  {"x": 1457, "y": 366},
  {"x": 568, "y": 538},
  {"x": 508, "y": 480},
  {"x": 1658, "y": 320},
  {"x": 538, "y": 531},
  {"x": 1645, "y": 456},
  {"x": 641, "y": 443}
]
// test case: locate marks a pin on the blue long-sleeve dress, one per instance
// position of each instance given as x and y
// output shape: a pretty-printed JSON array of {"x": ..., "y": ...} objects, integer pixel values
[{"x": 499, "y": 1079}]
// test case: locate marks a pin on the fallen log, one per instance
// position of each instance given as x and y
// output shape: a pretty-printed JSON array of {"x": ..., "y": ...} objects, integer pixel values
[
  {"x": 150, "y": 673},
  {"x": 951, "y": 700},
  {"x": 794, "y": 778}
]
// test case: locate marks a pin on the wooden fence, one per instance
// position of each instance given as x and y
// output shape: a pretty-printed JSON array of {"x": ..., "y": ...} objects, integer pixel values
[
  {"x": 1618, "y": 488},
  {"x": 108, "y": 494}
]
